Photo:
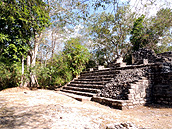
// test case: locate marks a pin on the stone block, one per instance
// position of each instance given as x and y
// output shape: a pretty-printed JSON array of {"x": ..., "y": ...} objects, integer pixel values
[
  {"x": 124, "y": 104},
  {"x": 159, "y": 101},
  {"x": 136, "y": 103},
  {"x": 170, "y": 103},
  {"x": 130, "y": 96},
  {"x": 133, "y": 86},
  {"x": 101, "y": 67},
  {"x": 91, "y": 69},
  {"x": 119, "y": 104},
  {"x": 100, "y": 100},
  {"x": 114, "y": 104},
  {"x": 145, "y": 61},
  {"x": 122, "y": 64},
  {"x": 142, "y": 102},
  {"x": 137, "y": 96},
  {"x": 131, "y": 91},
  {"x": 142, "y": 94},
  {"x": 130, "y": 104},
  {"x": 131, "y": 107},
  {"x": 119, "y": 60}
]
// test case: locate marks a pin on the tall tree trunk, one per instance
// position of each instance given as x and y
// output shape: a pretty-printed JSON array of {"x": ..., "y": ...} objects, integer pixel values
[
  {"x": 22, "y": 77},
  {"x": 33, "y": 78},
  {"x": 27, "y": 82},
  {"x": 31, "y": 62},
  {"x": 28, "y": 62}
]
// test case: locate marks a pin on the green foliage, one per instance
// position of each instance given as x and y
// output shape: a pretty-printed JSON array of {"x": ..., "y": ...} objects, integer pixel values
[
  {"x": 146, "y": 33},
  {"x": 75, "y": 55},
  {"x": 164, "y": 43},
  {"x": 137, "y": 38},
  {"x": 65, "y": 66},
  {"x": 162, "y": 21},
  {"x": 110, "y": 33},
  {"x": 55, "y": 74},
  {"x": 20, "y": 21},
  {"x": 10, "y": 76}
]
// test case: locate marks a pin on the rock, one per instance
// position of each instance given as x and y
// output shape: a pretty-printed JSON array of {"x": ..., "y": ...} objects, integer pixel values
[{"x": 126, "y": 125}]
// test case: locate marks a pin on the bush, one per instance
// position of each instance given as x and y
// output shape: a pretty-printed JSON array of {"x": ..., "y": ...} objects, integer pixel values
[{"x": 10, "y": 76}]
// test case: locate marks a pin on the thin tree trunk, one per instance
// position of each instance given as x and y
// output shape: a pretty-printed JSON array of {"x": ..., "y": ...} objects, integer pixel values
[
  {"x": 53, "y": 42},
  {"x": 31, "y": 62},
  {"x": 34, "y": 82},
  {"x": 28, "y": 62},
  {"x": 22, "y": 77},
  {"x": 27, "y": 82}
]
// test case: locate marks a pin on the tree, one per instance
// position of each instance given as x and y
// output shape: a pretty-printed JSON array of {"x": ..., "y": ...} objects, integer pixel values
[
  {"x": 20, "y": 24},
  {"x": 110, "y": 33},
  {"x": 160, "y": 29},
  {"x": 75, "y": 55},
  {"x": 137, "y": 38},
  {"x": 65, "y": 16},
  {"x": 146, "y": 33}
]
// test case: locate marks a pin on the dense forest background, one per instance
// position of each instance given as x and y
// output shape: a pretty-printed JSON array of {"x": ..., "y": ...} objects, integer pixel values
[{"x": 46, "y": 43}]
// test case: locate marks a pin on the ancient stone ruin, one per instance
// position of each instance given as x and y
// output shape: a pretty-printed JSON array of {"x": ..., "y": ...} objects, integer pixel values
[{"x": 147, "y": 80}]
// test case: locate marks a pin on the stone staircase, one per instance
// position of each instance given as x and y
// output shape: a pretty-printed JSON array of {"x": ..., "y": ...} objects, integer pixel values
[
  {"x": 89, "y": 83},
  {"x": 125, "y": 86},
  {"x": 119, "y": 87}
]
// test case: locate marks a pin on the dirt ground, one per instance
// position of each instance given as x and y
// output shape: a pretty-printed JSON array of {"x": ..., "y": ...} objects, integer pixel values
[{"x": 45, "y": 109}]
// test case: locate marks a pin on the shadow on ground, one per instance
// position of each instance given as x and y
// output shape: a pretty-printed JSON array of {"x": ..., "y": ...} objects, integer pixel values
[
  {"x": 153, "y": 105},
  {"x": 22, "y": 117}
]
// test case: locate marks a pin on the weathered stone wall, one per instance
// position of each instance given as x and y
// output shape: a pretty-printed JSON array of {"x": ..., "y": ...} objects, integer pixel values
[
  {"x": 149, "y": 56},
  {"x": 140, "y": 84},
  {"x": 131, "y": 83},
  {"x": 135, "y": 94},
  {"x": 161, "y": 76},
  {"x": 119, "y": 87},
  {"x": 166, "y": 54},
  {"x": 139, "y": 93},
  {"x": 162, "y": 89},
  {"x": 114, "y": 91},
  {"x": 139, "y": 56}
]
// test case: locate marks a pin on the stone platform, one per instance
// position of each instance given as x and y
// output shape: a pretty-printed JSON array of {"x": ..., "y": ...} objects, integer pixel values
[{"x": 124, "y": 86}]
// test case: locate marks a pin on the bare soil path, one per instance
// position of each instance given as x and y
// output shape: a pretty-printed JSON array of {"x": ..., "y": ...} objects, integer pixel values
[{"x": 44, "y": 109}]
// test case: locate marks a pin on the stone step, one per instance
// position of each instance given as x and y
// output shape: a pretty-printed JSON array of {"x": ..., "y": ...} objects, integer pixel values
[
  {"x": 79, "y": 93},
  {"x": 95, "y": 79},
  {"x": 90, "y": 90},
  {"x": 77, "y": 97},
  {"x": 100, "y": 75},
  {"x": 118, "y": 104},
  {"x": 95, "y": 71},
  {"x": 115, "y": 65},
  {"x": 86, "y": 86},
  {"x": 91, "y": 73},
  {"x": 89, "y": 82}
]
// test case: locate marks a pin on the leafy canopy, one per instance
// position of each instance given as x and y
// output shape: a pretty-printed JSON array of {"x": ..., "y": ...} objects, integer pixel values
[
  {"x": 20, "y": 21},
  {"x": 76, "y": 55},
  {"x": 147, "y": 32}
]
